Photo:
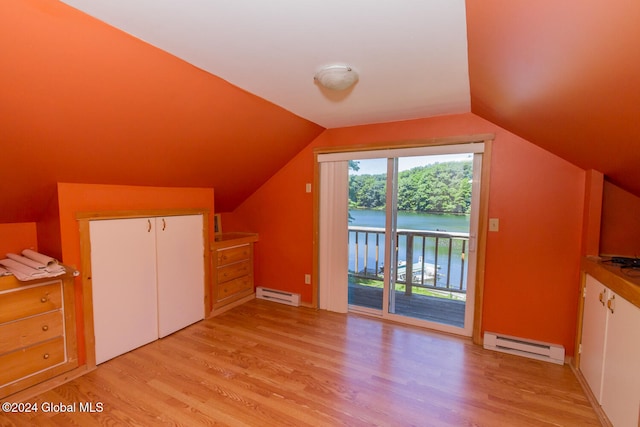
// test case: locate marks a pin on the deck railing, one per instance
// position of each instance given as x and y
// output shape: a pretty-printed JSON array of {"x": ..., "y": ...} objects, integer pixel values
[{"x": 426, "y": 259}]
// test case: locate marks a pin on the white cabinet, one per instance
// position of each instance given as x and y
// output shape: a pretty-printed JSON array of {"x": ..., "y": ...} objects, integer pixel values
[
  {"x": 147, "y": 280},
  {"x": 621, "y": 377},
  {"x": 180, "y": 268},
  {"x": 610, "y": 352},
  {"x": 593, "y": 334}
]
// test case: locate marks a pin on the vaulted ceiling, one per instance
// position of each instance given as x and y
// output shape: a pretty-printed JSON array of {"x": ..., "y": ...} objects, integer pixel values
[
  {"x": 411, "y": 55},
  {"x": 564, "y": 75},
  {"x": 118, "y": 103}
]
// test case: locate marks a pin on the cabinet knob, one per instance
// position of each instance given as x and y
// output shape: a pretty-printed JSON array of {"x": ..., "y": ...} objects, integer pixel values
[
  {"x": 45, "y": 328},
  {"x": 45, "y": 356},
  {"x": 611, "y": 303},
  {"x": 44, "y": 299}
]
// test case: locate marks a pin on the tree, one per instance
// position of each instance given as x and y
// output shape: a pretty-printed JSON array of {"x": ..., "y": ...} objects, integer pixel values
[{"x": 436, "y": 188}]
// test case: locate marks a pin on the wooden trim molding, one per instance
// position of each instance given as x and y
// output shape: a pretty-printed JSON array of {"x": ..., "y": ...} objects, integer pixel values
[
  {"x": 87, "y": 292},
  {"x": 414, "y": 143},
  {"x": 141, "y": 214},
  {"x": 483, "y": 220},
  {"x": 487, "y": 139},
  {"x": 44, "y": 386},
  {"x": 315, "y": 274},
  {"x": 604, "y": 420}
]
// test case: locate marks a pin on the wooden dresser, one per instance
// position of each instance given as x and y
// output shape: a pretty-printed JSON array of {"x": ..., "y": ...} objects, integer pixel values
[
  {"x": 37, "y": 331},
  {"x": 232, "y": 270}
]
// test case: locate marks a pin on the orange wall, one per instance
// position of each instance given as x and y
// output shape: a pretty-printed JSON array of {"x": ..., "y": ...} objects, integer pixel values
[
  {"x": 620, "y": 232},
  {"x": 562, "y": 74},
  {"x": 81, "y": 101},
  {"x": 15, "y": 237},
  {"x": 532, "y": 267},
  {"x": 49, "y": 238},
  {"x": 591, "y": 221},
  {"x": 75, "y": 198}
]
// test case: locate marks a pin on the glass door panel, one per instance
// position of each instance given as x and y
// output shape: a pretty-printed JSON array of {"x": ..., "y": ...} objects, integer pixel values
[
  {"x": 432, "y": 210},
  {"x": 411, "y": 239}
]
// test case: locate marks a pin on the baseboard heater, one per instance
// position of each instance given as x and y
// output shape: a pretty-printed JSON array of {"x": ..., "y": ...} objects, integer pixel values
[
  {"x": 553, "y": 353},
  {"x": 278, "y": 296}
]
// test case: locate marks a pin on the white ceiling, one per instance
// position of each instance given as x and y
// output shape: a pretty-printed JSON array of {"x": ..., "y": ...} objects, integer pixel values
[{"x": 411, "y": 54}]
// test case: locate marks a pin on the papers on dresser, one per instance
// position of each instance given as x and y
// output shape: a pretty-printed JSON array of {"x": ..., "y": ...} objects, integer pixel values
[{"x": 31, "y": 265}]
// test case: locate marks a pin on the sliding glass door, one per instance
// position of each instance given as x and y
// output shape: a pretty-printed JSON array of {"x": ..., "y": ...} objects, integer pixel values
[{"x": 411, "y": 222}]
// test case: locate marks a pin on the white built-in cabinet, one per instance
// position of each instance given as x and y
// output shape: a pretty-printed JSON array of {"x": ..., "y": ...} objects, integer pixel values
[
  {"x": 610, "y": 352},
  {"x": 147, "y": 280}
]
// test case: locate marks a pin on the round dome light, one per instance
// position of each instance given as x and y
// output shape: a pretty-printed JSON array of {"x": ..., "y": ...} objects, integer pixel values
[{"x": 336, "y": 77}]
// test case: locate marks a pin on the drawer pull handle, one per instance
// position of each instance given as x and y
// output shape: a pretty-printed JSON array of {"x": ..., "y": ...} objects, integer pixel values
[
  {"x": 45, "y": 356},
  {"x": 44, "y": 299},
  {"x": 45, "y": 328}
]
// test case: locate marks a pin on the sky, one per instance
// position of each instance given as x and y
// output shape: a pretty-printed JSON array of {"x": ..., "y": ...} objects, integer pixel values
[{"x": 378, "y": 166}]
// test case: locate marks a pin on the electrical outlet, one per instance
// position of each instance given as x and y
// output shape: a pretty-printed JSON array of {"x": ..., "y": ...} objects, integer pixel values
[
  {"x": 307, "y": 279},
  {"x": 494, "y": 224},
  {"x": 308, "y": 187}
]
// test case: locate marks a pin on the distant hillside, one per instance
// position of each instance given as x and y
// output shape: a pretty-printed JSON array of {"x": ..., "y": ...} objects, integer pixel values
[{"x": 437, "y": 188}]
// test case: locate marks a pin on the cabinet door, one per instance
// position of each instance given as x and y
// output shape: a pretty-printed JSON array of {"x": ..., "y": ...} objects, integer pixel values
[
  {"x": 180, "y": 256},
  {"x": 594, "y": 325},
  {"x": 123, "y": 268},
  {"x": 621, "y": 379}
]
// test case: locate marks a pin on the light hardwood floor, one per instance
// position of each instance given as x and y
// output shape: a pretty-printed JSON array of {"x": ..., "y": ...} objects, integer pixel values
[{"x": 265, "y": 364}]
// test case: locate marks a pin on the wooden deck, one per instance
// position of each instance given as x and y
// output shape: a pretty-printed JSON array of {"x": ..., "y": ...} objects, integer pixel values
[
  {"x": 268, "y": 364},
  {"x": 433, "y": 309}
]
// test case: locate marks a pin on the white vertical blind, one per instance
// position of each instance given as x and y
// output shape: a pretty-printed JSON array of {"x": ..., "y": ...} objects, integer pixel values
[{"x": 333, "y": 244}]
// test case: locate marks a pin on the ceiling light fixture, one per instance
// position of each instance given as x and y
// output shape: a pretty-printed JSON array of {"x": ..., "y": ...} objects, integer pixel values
[{"x": 336, "y": 77}]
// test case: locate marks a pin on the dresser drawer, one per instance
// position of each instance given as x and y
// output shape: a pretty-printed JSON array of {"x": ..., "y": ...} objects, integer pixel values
[
  {"x": 30, "y": 301},
  {"x": 25, "y": 332},
  {"x": 23, "y": 362},
  {"x": 233, "y": 254},
  {"x": 234, "y": 271},
  {"x": 233, "y": 287}
]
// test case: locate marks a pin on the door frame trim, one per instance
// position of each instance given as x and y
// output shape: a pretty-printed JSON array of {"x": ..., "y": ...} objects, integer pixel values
[{"x": 483, "y": 207}]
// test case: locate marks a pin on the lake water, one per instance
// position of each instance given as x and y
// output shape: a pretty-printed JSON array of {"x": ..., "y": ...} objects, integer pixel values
[
  {"x": 452, "y": 271},
  {"x": 411, "y": 220}
]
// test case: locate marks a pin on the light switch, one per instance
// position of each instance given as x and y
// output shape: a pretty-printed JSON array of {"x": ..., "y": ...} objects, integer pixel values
[
  {"x": 308, "y": 187},
  {"x": 494, "y": 224}
]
